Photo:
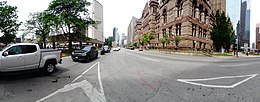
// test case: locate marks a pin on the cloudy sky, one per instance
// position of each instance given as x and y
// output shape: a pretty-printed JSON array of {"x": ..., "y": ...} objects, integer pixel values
[{"x": 118, "y": 13}]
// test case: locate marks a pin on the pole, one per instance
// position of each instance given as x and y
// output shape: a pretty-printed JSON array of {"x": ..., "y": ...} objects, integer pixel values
[{"x": 237, "y": 44}]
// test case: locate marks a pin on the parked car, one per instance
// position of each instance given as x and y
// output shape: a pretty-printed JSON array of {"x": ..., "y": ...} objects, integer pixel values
[
  {"x": 131, "y": 48},
  {"x": 116, "y": 49},
  {"x": 86, "y": 54},
  {"x": 26, "y": 56},
  {"x": 106, "y": 49}
]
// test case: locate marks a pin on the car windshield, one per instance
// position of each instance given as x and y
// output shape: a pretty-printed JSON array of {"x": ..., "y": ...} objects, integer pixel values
[{"x": 86, "y": 48}]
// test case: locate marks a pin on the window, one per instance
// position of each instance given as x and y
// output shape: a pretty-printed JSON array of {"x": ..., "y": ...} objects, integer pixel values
[
  {"x": 15, "y": 50},
  {"x": 178, "y": 29},
  {"x": 29, "y": 49},
  {"x": 194, "y": 27},
  {"x": 204, "y": 34},
  {"x": 158, "y": 37},
  {"x": 194, "y": 4},
  {"x": 180, "y": 8},
  {"x": 200, "y": 32},
  {"x": 164, "y": 16}
]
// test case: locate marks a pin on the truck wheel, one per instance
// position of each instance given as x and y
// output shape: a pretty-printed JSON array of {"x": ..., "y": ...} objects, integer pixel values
[{"x": 49, "y": 67}]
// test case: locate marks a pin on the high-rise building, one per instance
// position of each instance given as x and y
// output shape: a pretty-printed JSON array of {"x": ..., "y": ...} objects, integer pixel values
[
  {"x": 123, "y": 39},
  {"x": 96, "y": 13},
  {"x": 130, "y": 30},
  {"x": 244, "y": 26},
  {"x": 115, "y": 31},
  {"x": 258, "y": 36}
]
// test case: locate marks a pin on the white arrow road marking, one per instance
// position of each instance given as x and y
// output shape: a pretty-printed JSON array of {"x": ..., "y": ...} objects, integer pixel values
[
  {"x": 195, "y": 81},
  {"x": 90, "y": 91}
]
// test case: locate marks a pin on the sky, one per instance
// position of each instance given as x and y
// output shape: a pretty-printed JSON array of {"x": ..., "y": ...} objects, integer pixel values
[{"x": 118, "y": 13}]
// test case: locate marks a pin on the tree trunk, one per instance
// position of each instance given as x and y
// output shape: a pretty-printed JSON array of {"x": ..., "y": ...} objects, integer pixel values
[
  {"x": 80, "y": 44},
  {"x": 53, "y": 45},
  {"x": 44, "y": 42},
  {"x": 70, "y": 39}
]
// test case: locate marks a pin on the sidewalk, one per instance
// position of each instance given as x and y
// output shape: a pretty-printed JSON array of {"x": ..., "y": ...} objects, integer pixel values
[{"x": 197, "y": 54}]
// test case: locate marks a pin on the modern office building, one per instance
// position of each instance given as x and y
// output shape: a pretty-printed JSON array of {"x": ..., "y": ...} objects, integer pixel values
[
  {"x": 130, "y": 31},
  {"x": 96, "y": 13},
  {"x": 115, "y": 31},
  {"x": 115, "y": 37},
  {"x": 258, "y": 36},
  {"x": 244, "y": 26}
]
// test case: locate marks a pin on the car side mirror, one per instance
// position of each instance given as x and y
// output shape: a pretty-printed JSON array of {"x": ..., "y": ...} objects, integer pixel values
[{"x": 5, "y": 54}]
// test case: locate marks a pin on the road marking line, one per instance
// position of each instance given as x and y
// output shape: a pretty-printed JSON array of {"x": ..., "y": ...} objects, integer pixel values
[
  {"x": 99, "y": 79},
  {"x": 90, "y": 91},
  {"x": 234, "y": 65},
  {"x": 150, "y": 59},
  {"x": 84, "y": 72},
  {"x": 144, "y": 57},
  {"x": 194, "y": 81}
]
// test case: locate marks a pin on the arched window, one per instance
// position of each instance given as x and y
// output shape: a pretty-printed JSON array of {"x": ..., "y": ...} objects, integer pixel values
[
  {"x": 194, "y": 27},
  {"x": 194, "y": 5},
  {"x": 201, "y": 10}
]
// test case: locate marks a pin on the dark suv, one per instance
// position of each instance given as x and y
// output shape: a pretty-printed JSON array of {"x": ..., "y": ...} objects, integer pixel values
[{"x": 86, "y": 54}]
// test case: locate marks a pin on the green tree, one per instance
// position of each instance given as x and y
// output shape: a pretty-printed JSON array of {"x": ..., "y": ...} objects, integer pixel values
[
  {"x": 71, "y": 14},
  {"x": 8, "y": 22},
  {"x": 147, "y": 38},
  {"x": 39, "y": 24},
  {"x": 108, "y": 41},
  {"x": 166, "y": 40},
  {"x": 222, "y": 31}
]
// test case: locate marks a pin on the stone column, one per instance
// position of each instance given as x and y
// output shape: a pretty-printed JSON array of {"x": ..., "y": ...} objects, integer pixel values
[
  {"x": 176, "y": 12},
  {"x": 202, "y": 17},
  {"x": 207, "y": 19},
  {"x": 197, "y": 13}
]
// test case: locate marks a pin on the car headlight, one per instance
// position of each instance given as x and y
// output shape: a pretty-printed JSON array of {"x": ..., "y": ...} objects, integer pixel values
[{"x": 72, "y": 53}]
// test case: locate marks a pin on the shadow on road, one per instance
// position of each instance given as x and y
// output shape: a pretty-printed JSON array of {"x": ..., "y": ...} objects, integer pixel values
[{"x": 29, "y": 74}]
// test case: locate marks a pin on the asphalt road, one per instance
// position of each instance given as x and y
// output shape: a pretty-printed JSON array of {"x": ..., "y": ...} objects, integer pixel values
[{"x": 133, "y": 76}]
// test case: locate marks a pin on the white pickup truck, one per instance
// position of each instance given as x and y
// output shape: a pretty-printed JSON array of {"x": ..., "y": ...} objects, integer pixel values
[{"x": 26, "y": 56}]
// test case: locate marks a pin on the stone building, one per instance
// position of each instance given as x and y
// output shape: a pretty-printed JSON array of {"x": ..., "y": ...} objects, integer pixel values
[
  {"x": 189, "y": 19},
  {"x": 137, "y": 30}
]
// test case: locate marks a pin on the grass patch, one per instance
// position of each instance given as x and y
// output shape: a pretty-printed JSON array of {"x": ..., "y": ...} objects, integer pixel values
[
  {"x": 254, "y": 54},
  {"x": 224, "y": 54}
]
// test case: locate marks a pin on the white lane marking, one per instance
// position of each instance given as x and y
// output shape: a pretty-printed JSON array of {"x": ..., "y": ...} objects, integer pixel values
[
  {"x": 234, "y": 65},
  {"x": 99, "y": 79},
  {"x": 84, "y": 72},
  {"x": 144, "y": 57},
  {"x": 150, "y": 59},
  {"x": 195, "y": 81},
  {"x": 90, "y": 91}
]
